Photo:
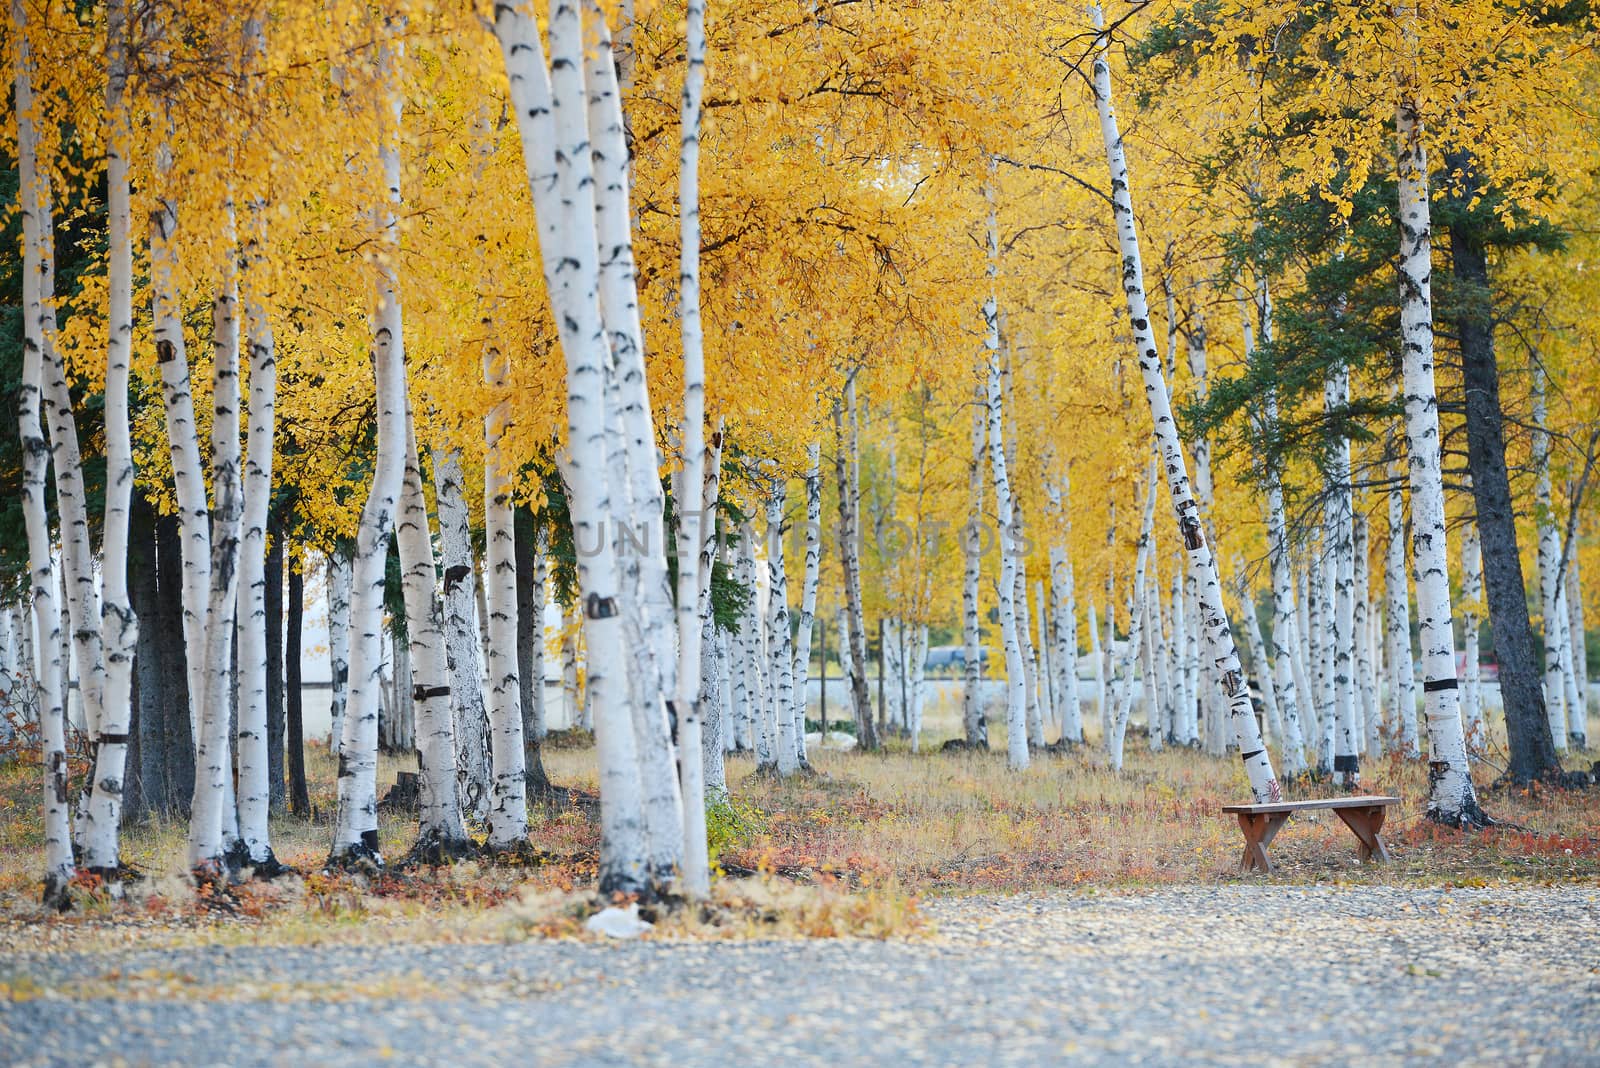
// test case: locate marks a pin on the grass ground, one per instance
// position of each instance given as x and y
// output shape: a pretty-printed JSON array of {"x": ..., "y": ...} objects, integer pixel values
[{"x": 849, "y": 849}]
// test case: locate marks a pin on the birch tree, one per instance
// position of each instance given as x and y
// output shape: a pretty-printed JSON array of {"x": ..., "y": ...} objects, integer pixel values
[
  {"x": 1214, "y": 623},
  {"x": 441, "y": 834},
  {"x": 37, "y": 234},
  {"x": 550, "y": 104},
  {"x": 1397, "y": 614},
  {"x": 691, "y": 557},
  {"x": 1452, "y": 800},
  {"x": 462, "y": 649},
  {"x": 1064, "y": 614},
  {"x": 1471, "y": 597},
  {"x": 973, "y": 722},
  {"x": 355, "y": 839}
]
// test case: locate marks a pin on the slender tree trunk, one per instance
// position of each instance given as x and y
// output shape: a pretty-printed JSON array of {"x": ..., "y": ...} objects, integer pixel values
[
  {"x": 1293, "y": 693},
  {"x": 1261, "y": 664},
  {"x": 1549, "y": 570},
  {"x": 691, "y": 522},
  {"x": 1185, "y": 729},
  {"x": 1064, "y": 615},
  {"x": 808, "y": 597},
  {"x": 1366, "y": 676},
  {"x": 779, "y": 647},
  {"x": 973, "y": 721},
  {"x": 213, "y": 831},
  {"x": 1452, "y": 800},
  {"x": 1398, "y": 613},
  {"x": 1340, "y": 546},
  {"x": 1119, "y": 723},
  {"x": 48, "y": 676},
  {"x": 533, "y": 578},
  {"x": 338, "y": 579},
  {"x": 1101, "y": 682},
  {"x": 440, "y": 834},
  {"x": 762, "y": 729},
  {"x": 1213, "y": 621},
  {"x": 712, "y": 640},
  {"x": 508, "y": 798},
  {"x": 299, "y": 794},
  {"x": 1580, "y": 648},
  {"x": 254, "y": 689},
  {"x": 462, "y": 647},
  {"x": 846, "y": 468},
  {"x": 193, "y": 519},
  {"x": 1016, "y": 679},
  {"x": 356, "y": 828},
  {"x": 1471, "y": 596},
  {"x": 273, "y": 607},
  {"x": 1304, "y": 660}
]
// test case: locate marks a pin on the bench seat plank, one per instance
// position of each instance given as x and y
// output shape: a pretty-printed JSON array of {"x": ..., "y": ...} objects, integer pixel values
[{"x": 1373, "y": 801}]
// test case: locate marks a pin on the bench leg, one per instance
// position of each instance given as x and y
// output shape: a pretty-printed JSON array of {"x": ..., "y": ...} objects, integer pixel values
[
  {"x": 1365, "y": 823},
  {"x": 1258, "y": 834}
]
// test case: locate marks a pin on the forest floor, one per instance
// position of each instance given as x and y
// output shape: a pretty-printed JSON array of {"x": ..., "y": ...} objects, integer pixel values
[{"x": 858, "y": 847}]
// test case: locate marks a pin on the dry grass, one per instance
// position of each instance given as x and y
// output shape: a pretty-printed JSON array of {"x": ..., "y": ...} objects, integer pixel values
[{"x": 847, "y": 851}]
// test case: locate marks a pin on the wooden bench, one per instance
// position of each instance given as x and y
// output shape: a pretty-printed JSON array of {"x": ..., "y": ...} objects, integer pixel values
[{"x": 1260, "y": 823}]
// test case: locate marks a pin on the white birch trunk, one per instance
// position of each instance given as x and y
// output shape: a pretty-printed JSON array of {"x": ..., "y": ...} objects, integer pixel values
[
  {"x": 1366, "y": 675},
  {"x": 1097, "y": 656},
  {"x": 781, "y": 699},
  {"x": 1119, "y": 722},
  {"x": 808, "y": 597},
  {"x": 548, "y": 103},
  {"x": 972, "y": 717},
  {"x": 184, "y": 446},
  {"x": 221, "y": 619},
  {"x": 1016, "y": 675},
  {"x": 738, "y": 677},
  {"x": 1042, "y": 670},
  {"x": 571, "y": 701},
  {"x": 49, "y": 693},
  {"x": 1213, "y": 620},
  {"x": 338, "y": 642},
  {"x": 1261, "y": 664},
  {"x": 441, "y": 835},
  {"x": 1158, "y": 698},
  {"x": 691, "y": 553},
  {"x": 713, "y": 649},
  {"x": 619, "y": 309},
  {"x": 764, "y": 724},
  {"x": 1561, "y": 695},
  {"x": 1186, "y": 731},
  {"x": 1580, "y": 649},
  {"x": 462, "y": 649},
  {"x": 1319, "y": 586},
  {"x": 1452, "y": 800},
  {"x": 1064, "y": 615},
  {"x": 1471, "y": 598},
  {"x": 1165, "y": 691},
  {"x": 508, "y": 788},
  {"x": 1397, "y": 613},
  {"x": 1348, "y": 742},
  {"x": 1305, "y": 680},
  {"x": 356, "y": 827}
]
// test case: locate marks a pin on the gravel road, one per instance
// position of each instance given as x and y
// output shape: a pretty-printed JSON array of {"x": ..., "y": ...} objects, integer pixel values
[{"x": 1209, "y": 975}]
